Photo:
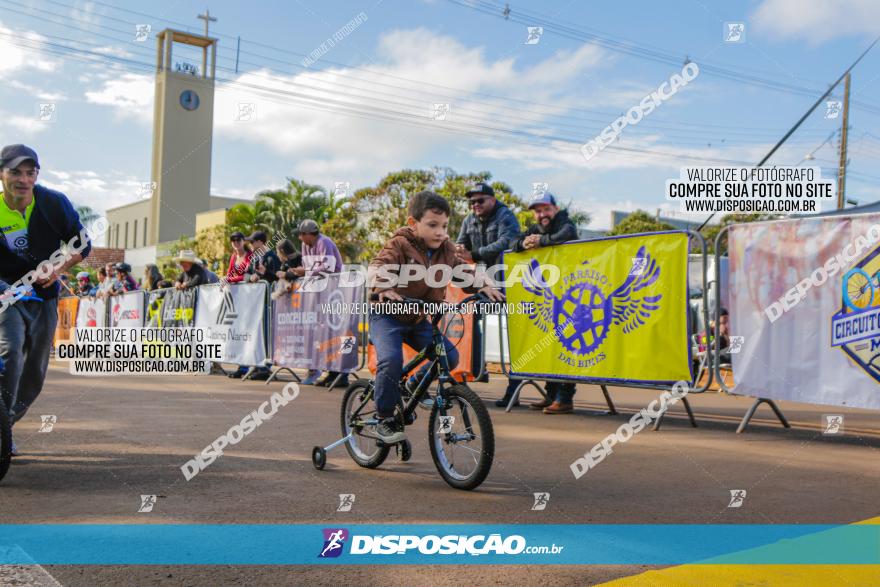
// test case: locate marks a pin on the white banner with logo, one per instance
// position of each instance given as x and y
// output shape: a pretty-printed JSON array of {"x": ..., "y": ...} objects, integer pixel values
[
  {"x": 234, "y": 315},
  {"x": 805, "y": 297},
  {"x": 92, "y": 313},
  {"x": 127, "y": 310}
]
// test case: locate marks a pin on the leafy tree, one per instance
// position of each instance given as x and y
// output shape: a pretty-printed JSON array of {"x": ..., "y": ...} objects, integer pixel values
[
  {"x": 383, "y": 209},
  {"x": 639, "y": 221}
]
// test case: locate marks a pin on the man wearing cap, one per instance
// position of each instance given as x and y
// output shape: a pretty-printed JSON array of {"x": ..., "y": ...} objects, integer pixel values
[
  {"x": 319, "y": 255},
  {"x": 266, "y": 262},
  {"x": 552, "y": 227},
  {"x": 34, "y": 220},
  {"x": 488, "y": 230}
]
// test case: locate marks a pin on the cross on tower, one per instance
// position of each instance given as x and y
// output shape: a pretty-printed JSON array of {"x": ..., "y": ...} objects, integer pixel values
[{"x": 207, "y": 18}]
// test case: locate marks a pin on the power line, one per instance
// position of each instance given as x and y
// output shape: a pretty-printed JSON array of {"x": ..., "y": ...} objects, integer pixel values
[
  {"x": 320, "y": 103},
  {"x": 691, "y": 139},
  {"x": 635, "y": 50},
  {"x": 596, "y": 116}
]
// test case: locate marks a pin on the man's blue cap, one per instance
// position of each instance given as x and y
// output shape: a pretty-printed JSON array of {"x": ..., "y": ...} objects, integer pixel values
[
  {"x": 14, "y": 155},
  {"x": 545, "y": 198}
]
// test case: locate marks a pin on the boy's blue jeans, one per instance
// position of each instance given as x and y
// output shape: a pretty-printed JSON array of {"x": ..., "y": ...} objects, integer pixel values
[{"x": 388, "y": 335}]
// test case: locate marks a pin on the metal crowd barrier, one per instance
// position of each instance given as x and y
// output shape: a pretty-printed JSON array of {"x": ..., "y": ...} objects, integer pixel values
[
  {"x": 715, "y": 355},
  {"x": 361, "y": 335},
  {"x": 603, "y": 384}
]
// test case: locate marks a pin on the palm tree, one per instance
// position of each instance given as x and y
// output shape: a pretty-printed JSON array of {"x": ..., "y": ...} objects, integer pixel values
[{"x": 86, "y": 215}]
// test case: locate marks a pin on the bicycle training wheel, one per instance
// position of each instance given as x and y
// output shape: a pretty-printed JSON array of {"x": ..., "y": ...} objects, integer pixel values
[
  {"x": 363, "y": 449},
  {"x": 461, "y": 438}
]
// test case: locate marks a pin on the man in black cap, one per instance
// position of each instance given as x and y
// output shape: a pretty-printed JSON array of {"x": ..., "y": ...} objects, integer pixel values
[
  {"x": 490, "y": 229},
  {"x": 552, "y": 227},
  {"x": 34, "y": 221},
  {"x": 487, "y": 231}
]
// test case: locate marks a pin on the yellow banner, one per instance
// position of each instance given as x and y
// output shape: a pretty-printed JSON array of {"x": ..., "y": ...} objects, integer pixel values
[{"x": 617, "y": 310}]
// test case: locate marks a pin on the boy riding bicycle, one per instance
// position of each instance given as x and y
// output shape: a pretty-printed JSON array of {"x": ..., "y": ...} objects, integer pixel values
[{"x": 423, "y": 242}]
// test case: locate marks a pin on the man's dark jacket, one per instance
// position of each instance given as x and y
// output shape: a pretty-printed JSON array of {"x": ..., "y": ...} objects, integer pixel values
[
  {"x": 195, "y": 277},
  {"x": 561, "y": 230},
  {"x": 53, "y": 220},
  {"x": 485, "y": 239}
]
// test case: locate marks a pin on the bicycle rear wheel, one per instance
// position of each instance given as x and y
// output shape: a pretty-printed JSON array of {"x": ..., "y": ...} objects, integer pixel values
[
  {"x": 362, "y": 449},
  {"x": 5, "y": 440},
  {"x": 462, "y": 447}
]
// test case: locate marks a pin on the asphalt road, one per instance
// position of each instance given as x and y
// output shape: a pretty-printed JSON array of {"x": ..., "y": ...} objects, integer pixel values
[{"x": 117, "y": 438}]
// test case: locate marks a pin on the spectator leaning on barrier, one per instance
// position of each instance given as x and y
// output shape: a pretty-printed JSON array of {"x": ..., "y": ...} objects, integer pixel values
[
  {"x": 193, "y": 274},
  {"x": 707, "y": 338},
  {"x": 34, "y": 220},
  {"x": 240, "y": 259},
  {"x": 209, "y": 275},
  {"x": 488, "y": 230},
  {"x": 423, "y": 241},
  {"x": 552, "y": 227},
  {"x": 84, "y": 285},
  {"x": 124, "y": 281},
  {"x": 290, "y": 260},
  {"x": 102, "y": 279},
  {"x": 266, "y": 262},
  {"x": 320, "y": 255},
  {"x": 110, "y": 283},
  {"x": 153, "y": 278}
]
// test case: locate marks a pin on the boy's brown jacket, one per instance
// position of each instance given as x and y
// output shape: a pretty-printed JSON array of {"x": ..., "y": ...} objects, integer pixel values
[{"x": 403, "y": 248}]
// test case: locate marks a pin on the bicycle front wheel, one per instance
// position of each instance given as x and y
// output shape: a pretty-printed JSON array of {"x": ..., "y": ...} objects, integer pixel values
[
  {"x": 461, "y": 438},
  {"x": 5, "y": 440}
]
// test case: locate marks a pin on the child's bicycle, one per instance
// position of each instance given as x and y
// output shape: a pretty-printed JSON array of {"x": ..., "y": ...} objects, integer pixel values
[
  {"x": 460, "y": 431},
  {"x": 5, "y": 433}
]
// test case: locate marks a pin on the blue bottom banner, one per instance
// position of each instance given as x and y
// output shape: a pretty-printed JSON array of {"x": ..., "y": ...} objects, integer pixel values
[{"x": 280, "y": 544}]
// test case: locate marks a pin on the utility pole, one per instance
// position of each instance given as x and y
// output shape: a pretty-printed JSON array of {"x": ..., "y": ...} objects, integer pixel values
[
  {"x": 841, "y": 172},
  {"x": 803, "y": 118}
]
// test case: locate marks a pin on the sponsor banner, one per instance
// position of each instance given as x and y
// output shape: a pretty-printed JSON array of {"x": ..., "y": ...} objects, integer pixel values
[
  {"x": 485, "y": 544},
  {"x": 618, "y": 311},
  {"x": 234, "y": 317},
  {"x": 127, "y": 310},
  {"x": 309, "y": 334},
  {"x": 91, "y": 313},
  {"x": 155, "y": 302},
  {"x": 458, "y": 328},
  {"x": 178, "y": 308},
  {"x": 805, "y": 297},
  {"x": 66, "y": 318}
]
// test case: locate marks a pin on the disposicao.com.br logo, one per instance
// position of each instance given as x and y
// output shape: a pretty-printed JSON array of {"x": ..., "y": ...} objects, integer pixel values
[{"x": 476, "y": 545}]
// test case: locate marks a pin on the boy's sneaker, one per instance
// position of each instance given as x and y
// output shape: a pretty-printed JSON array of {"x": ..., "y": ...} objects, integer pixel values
[
  {"x": 427, "y": 402},
  {"x": 389, "y": 431}
]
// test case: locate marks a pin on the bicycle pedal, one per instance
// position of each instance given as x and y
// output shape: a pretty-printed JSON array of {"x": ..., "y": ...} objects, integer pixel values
[{"x": 411, "y": 418}]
